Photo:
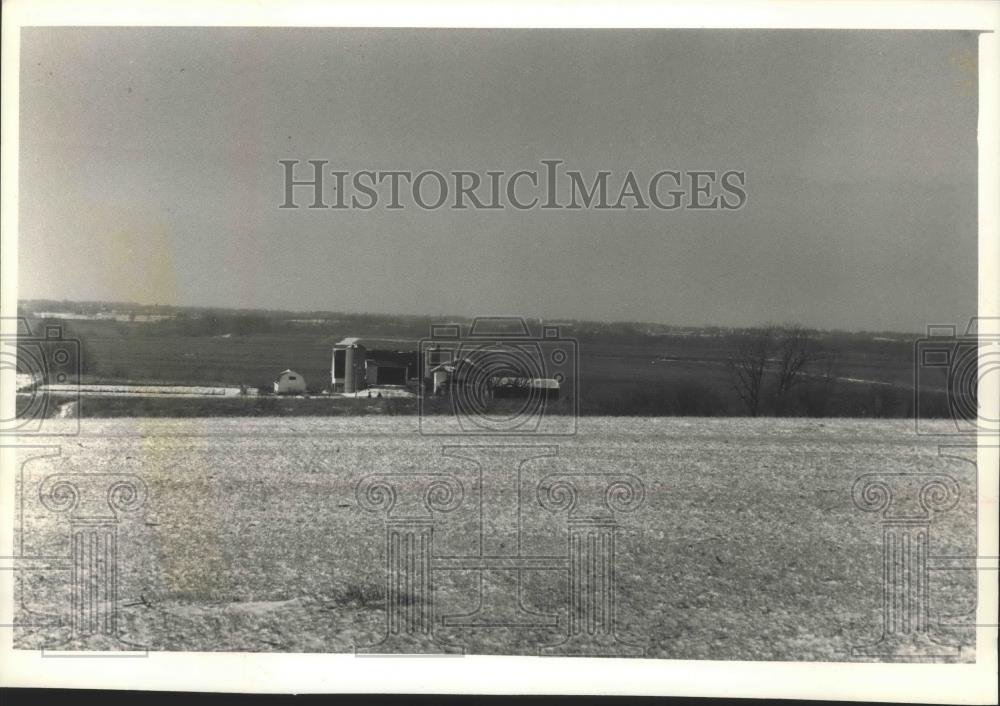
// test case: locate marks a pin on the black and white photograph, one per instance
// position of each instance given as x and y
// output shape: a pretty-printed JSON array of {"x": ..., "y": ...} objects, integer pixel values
[{"x": 601, "y": 347}]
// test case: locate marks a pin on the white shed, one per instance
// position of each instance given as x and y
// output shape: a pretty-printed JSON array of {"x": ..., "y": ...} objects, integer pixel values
[{"x": 290, "y": 383}]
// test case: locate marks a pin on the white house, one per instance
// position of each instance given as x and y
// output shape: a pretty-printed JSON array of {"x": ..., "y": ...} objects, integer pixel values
[{"x": 289, "y": 383}]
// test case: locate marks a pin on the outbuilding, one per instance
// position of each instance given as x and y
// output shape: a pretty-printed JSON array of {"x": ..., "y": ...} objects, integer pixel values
[
  {"x": 386, "y": 367},
  {"x": 289, "y": 383}
]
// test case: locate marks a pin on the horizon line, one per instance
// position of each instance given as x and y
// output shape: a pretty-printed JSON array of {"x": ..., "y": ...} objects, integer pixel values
[{"x": 450, "y": 318}]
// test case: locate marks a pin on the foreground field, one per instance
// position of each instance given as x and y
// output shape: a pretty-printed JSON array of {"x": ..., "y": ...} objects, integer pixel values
[{"x": 747, "y": 544}]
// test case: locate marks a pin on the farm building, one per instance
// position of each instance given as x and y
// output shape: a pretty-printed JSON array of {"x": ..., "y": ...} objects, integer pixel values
[
  {"x": 443, "y": 377},
  {"x": 290, "y": 383},
  {"x": 390, "y": 367},
  {"x": 450, "y": 373},
  {"x": 507, "y": 387},
  {"x": 355, "y": 368}
]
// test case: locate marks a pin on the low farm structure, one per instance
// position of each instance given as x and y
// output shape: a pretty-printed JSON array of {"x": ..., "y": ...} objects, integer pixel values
[
  {"x": 443, "y": 378},
  {"x": 289, "y": 382}
]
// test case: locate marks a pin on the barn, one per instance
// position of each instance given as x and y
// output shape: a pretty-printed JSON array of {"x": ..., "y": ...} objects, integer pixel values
[
  {"x": 390, "y": 367},
  {"x": 289, "y": 382},
  {"x": 355, "y": 367}
]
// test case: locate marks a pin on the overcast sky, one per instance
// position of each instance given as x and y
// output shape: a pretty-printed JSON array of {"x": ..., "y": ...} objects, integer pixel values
[{"x": 149, "y": 171}]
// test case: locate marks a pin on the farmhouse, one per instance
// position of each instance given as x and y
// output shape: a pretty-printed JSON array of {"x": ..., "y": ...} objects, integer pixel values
[{"x": 289, "y": 383}]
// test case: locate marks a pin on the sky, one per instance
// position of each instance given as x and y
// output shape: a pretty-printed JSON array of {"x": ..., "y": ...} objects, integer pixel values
[{"x": 149, "y": 171}]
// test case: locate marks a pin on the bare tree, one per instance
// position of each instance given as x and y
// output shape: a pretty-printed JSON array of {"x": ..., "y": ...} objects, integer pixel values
[
  {"x": 749, "y": 365},
  {"x": 794, "y": 353},
  {"x": 828, "y": 363}
]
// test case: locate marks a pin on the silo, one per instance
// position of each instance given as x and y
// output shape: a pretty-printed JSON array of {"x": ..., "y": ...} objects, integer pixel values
[
  {"x": 350, "y": 375},
  {"x": 348, "y": 370}
]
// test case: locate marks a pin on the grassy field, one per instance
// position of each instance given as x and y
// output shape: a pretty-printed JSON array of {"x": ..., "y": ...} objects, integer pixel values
[{"x": 747, "y": 545}]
